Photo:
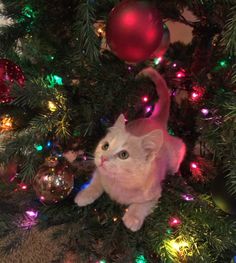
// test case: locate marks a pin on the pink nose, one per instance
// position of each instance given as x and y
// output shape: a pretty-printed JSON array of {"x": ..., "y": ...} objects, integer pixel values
[{"x": 103, "y": 159}]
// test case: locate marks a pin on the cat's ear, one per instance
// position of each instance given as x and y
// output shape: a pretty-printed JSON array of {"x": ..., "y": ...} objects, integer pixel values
[
  {"x": 152, "y": 143},
  {"x": 120, "y": 122}
]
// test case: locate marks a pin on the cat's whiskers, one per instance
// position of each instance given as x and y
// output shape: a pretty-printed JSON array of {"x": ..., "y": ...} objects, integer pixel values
[{"x": 88, "y": 156}]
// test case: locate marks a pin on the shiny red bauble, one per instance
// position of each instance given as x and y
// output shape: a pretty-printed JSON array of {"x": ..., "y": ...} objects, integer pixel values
[
  {"x": 164, "y": 45},
  {"x": 134, "y": 30},
  {"x": 9, "y": 73}
]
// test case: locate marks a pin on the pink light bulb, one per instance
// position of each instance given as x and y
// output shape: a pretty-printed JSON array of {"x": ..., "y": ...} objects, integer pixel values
[
  {"x": 187, "y": 197},
  {"x": 194, "y": 165},
  {"x": 31, "y": 213},
  {"x": 174, "y": 222},
  {"x": 180, "y": 74},
  {"x": 204, "y": 111},
  {"x": 194, "y": 95},
  {"x": 148, "y": 109},
  {"x": 145, "y": 98},
  {"x": 23, "y": 187}
]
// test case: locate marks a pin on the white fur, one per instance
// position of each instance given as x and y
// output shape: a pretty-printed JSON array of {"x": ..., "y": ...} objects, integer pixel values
[{"x": 136, "y": 181}]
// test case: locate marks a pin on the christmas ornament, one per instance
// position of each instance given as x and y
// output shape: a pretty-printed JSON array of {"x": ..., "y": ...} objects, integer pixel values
[
  {"x": 221, "y": 196},
  {"x": 165, "y": 42},
  {"x": 9, "y": 72},
  {"x": 54, "y": 181},
  {"x": 6, "y": 123},
  {"x": 134, "y": 30}
]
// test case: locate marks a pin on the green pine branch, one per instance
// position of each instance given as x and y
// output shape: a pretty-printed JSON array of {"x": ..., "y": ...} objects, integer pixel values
[
  {"x": 84, "y": 31},
  {"x": 229, "y": 34}
]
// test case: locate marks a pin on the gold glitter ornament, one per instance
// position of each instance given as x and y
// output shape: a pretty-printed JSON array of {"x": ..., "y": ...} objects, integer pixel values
[{"x": 54, "y": 181}]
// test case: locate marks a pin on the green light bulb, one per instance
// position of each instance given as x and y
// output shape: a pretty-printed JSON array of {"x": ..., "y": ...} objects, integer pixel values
[
  {"x": 39, "y": 147},
  {"x": 54, "y": 80},
  {"x": 28, "y": 11},
  {"x": 156, "y": 61},
  {"x": 140, "y": 259},
  {"x": 58, "y": 80},
  {"x": 171, "y": 132},
  {"x": 169, "y": 231},
  {"x": 223, "y": 63}
]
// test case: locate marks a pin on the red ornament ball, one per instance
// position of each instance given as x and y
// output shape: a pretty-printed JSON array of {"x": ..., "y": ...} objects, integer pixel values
[
  {"x": 165, "y": 42},
  {"x": 54, "y": 181},
  {"x": 9, "y": 72},
  {"x": 134, "y": 30}
]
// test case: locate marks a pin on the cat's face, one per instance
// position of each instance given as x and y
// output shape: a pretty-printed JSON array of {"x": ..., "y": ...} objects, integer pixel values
[{"x": 122, "y": 155}]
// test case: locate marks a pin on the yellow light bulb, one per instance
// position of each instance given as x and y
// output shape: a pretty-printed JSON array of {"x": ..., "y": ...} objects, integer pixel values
[
  {"x": 6, "y": 123},
  {"x": 52, "y": 107},
  {"x": 178, "y": 245},
  {"x": 100, "y": 30}
]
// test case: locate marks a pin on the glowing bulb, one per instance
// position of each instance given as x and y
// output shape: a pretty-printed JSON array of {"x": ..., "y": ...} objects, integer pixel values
[
  {"x": 52, "y": 107},
  {"x": 197, "y": 93},
  {"x": 156, "y": 61},
  {"x": 177, "y": 246},
  {"x": 49, "y": 144},
  {"x": 115, "y": 219},
  {"x": 223, "y": 63},
  {"x": 54, "y": 80},
  {"x": 187, "y": 197},
  {"x": 204, "y": 111},
  {"x": 140, "y": 259},
  {"x": 194, "y": 95},
  {"x": 100, "y": 30},
  {"x": 6, "y": 123},
  {"x": 148, "y": 109},
  {"x": 39, "y": 147},
  {"x": 180, "y": 74},
  {"x": 42, "y": 198},
  {"x": 194, "y": 165},
  {"x": 23, "y": 186},
  {"x": 174, "y": 222},
  {"x": 31, "y": 213},
  {"x": 145, "y": 98},
  {"x": 174, "y": 65}
]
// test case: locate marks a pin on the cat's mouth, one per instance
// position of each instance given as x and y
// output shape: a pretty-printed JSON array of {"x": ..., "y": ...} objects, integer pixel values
[
  {"x": 102, "y": 161},
  {"x": 101, "y": 165}
]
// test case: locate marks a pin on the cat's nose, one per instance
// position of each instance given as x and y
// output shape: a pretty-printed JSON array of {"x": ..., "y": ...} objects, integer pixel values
[{"x": 103, "y": 159}]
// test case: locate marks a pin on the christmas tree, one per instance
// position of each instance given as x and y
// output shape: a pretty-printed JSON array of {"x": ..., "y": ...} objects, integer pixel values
[{"x": 66, "y": 74}]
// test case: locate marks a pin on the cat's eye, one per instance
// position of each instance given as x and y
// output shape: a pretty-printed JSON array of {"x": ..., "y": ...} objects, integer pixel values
[
  {"x": 105, "y": 146},
  {"x": 123, "y": 154}
]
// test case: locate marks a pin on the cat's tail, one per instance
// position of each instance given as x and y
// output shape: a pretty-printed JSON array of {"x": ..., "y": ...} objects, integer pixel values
[{"x": 162, "y": 107}]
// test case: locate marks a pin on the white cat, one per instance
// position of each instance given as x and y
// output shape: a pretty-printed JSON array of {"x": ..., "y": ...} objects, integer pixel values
[{"x": 132, "y": 160}]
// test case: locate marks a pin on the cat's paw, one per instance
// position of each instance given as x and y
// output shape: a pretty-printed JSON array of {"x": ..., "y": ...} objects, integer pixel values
[
  {"x": 83, "y": 198},
  {"x": 132, "y": 222}
]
